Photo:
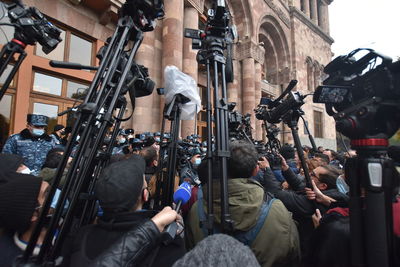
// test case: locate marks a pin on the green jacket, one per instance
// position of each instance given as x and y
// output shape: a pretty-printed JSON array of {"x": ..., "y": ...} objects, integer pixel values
[
  {"x": 277, "y": 243},
  {"x": 48, "y": 174}
]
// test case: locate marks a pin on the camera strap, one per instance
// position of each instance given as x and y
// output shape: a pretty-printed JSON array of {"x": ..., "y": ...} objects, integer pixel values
[{"x": 245, "y": 237}]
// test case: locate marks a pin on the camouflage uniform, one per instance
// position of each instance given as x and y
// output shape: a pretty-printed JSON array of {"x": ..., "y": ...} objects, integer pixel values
[{"x": 32, "y": 148}]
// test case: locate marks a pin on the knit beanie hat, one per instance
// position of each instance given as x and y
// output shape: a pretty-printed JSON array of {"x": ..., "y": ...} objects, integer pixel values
[
  {"x": 219, "y": 250},
  {"x": 18, "y": 200},
  {"x": 120, "y": 184},
  {"x": 10, "y": 162}
]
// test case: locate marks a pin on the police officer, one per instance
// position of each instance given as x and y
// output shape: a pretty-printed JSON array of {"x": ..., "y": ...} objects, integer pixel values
[
  {"x": 59, "y": 131},
  {"x": 121, "y": 143},
  {"x": 32, "y": 143}
]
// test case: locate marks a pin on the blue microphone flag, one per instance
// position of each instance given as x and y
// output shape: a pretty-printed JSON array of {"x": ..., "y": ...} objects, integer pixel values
[{"x": 183, "y": 193}]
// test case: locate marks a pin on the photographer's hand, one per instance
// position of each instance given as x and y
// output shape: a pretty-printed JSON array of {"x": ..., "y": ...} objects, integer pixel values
[
  {"x": 316, "y": 194},
  {"x": 263, "y": 163},
  {"x": 166, "y": 216},
  {"x": 316, "y": 218},
  {"x": 284, "y": 164}
]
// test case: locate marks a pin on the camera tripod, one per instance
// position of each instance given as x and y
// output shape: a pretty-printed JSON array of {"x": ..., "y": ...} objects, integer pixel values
[
  {"x": 173, "y": 113},
  {"x": 94, "y": 119},
  {"x": 371, "y": 180}
]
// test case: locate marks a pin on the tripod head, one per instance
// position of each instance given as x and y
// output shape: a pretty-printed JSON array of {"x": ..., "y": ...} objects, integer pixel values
[
  {"x": 31, "y": 27},
  {"x": 143, "y": 12}
]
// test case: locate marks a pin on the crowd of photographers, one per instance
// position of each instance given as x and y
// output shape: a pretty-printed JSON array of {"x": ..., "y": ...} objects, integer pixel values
[{"x": 278, "y": 221}]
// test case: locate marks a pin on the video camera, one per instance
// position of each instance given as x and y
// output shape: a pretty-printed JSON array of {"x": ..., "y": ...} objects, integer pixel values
[
  {"x": 273, "y": 111},
  {"x": 362, "y": 95},
  {"x": 239, "y": 125},
  {"x": 31, "y": 27},
  {"x": 143, "y": 12},
  {"x": 272, "y": 156},
  {"x": 217, "y": 35},
  {"x": 138, "y": 82}
]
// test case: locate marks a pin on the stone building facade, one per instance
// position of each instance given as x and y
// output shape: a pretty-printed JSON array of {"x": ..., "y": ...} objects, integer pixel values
[{"x": 279, "y": 40}]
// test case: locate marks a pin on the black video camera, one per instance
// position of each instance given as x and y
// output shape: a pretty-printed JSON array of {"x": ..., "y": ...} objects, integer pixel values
[
  {"x": 272, "y": 156},
  {"x": 362, "y": 95},
  {"x": 143, "y": 12},
  {"x": 32, "y": 26},
  {"x": 217, "y": 35},
  {"x": 138, "y": 81},
  {"x": 273, "y": 111},
  {"x": 238, "y": 124}
]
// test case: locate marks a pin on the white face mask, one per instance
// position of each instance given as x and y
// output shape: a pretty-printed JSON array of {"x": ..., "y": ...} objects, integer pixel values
[
  {"x": 37, "y": 132},
  {"x": 122, "y": 140},
  {"x": 26, "y": 171}
]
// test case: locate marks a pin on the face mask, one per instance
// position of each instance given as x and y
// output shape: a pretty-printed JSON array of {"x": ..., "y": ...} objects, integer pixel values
[
  {"x": 130, "y": 136},
  {"x": 26, "y": 171},
  {"x": 157, "y": 139},
  {"x": 197, "y": 161},
  {"x": 204, "y": 149},
  {"x": 122, "y": 140},
  {"x": 37, "y": 132}
]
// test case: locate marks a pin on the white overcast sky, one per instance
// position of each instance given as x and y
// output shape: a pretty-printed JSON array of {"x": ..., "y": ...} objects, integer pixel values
[{"x": 365, "y": 23}]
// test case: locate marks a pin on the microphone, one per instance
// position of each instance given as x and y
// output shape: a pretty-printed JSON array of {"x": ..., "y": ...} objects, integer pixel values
[
  {"x": 70, "y": 65},
  {"x": 181, "y": 196}
]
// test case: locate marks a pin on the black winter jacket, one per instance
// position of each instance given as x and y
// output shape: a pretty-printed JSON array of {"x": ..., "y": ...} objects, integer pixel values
[
  {"x": 131, "y": 248},
  {"x": 297, "y": 202},
  {"x": 128, "y": 239},
  {"x": 295, "y": 199}
]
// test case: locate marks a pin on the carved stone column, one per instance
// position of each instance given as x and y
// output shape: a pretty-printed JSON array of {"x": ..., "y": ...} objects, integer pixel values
[
  {"x": 306, "y": 8},
  {"x": 172, "y": 35},
  {"x": 257, "y": 85},
  {"x": 233, "y": 88},
  {"x": 314, "y": 11},
  {"x": 157, "y": 77},
  {"x": 190, "y": 65},
  {"x": 248, "y": 94},
  {"x": 325, "y": 16}
]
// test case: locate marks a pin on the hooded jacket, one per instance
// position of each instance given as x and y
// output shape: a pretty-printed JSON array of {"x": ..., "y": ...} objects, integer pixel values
[
  {"x": 276, "y": 244},
  {"x": 32, "y": 149}
]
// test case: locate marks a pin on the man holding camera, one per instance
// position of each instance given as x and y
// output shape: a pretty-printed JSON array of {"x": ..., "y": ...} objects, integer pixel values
[{"x": 260, "y": 221}]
